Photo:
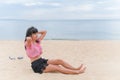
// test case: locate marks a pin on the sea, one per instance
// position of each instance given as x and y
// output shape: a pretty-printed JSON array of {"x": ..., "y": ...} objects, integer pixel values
[{"x": 83, "y": 29}]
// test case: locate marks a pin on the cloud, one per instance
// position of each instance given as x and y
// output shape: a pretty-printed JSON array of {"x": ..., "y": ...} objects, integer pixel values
[
  {"x": 101, "y": 2},
  {"x": 112, "y": 5},
  {"x": 85, "y": 7},
  {"x": 42, "y": 4},
  {"x": 54, "y": 9},
  {"x": 113, "y": 8},
  {"x": 30, "y": 2},
  {"x": 14, "y": 1}
]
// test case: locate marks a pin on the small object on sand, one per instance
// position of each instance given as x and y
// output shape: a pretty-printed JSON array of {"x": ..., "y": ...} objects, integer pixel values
[
  {"x": 19, "y": 57},
  {"x": 11, "y": 58}
]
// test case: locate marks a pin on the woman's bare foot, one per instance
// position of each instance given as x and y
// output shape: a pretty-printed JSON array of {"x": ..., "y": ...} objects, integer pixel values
[
  {"x": 80, "y": 67},
  {"x": 82, "y": 70}
]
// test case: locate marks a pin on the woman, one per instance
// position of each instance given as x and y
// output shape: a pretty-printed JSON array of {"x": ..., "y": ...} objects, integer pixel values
[{"x": 41, "y": 65}]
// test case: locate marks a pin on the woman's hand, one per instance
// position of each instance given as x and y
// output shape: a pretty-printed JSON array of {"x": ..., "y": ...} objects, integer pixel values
[
  {"x": 43, "y": 33},
  {"x": 28, "y": 41},
  {"x": 28, "y": 38}
]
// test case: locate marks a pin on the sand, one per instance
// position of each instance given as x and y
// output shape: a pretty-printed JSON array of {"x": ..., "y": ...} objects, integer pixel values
[{"x": 101, "y": 57}]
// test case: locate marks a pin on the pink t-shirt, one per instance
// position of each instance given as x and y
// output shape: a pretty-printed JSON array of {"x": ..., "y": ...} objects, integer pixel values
[{"x": 34, "y": 50}]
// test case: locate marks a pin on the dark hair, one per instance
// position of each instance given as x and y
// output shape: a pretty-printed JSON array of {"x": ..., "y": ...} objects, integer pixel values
[{"x": 31, "y": 31}]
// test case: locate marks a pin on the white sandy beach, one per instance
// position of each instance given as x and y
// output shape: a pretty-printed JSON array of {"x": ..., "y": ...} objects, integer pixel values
[{"x": 102, "y": 59}]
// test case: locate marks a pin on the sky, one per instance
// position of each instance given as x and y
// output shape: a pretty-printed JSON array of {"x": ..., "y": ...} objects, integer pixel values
[{"x": 59, "y": 9}]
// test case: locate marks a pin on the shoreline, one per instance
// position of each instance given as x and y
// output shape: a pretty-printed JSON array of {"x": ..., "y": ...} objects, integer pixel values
[{"x": 69, "y": 40}]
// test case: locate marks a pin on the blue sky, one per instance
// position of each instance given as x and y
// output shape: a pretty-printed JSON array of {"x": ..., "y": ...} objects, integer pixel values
[{"x": 59, "y": 9}]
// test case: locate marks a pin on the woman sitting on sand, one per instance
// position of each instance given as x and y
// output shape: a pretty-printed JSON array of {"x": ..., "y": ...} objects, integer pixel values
[{"x": 41, "y": 65}]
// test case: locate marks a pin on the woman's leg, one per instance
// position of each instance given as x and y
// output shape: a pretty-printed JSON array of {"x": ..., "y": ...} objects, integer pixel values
[
  {"x": 63, "y": 63},
  {"x": 57, "y": 68}
]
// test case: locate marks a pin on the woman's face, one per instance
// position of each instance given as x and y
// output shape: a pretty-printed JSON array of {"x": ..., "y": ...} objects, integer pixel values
[{"x": 34, "y": 36}]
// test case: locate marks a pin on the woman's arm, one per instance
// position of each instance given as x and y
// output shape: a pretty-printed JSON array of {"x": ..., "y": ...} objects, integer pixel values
[
  {"x": 43, "y": 33},
  {"x": 28, "y": 41}
]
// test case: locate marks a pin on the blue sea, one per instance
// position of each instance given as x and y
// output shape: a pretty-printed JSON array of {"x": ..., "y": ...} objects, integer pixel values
[{"x": 91, "y": 29}]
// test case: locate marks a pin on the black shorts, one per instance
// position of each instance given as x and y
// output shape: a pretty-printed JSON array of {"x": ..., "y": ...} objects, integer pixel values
[{"x": 39, "y": 65}]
